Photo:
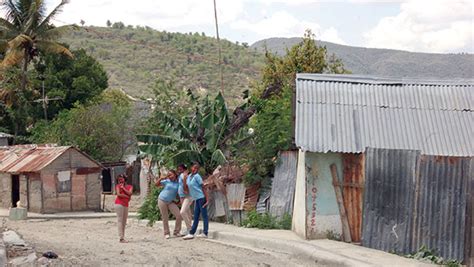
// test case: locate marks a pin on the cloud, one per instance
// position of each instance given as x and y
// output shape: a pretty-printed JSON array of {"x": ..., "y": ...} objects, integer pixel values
[
  {"x": 167, "y": 15},
  {"x": 283, "y": 24},
  {"x": 435, "y": 26}
]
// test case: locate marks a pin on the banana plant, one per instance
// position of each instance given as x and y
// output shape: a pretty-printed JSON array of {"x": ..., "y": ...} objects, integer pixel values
[{"x": 195, "y": 137}]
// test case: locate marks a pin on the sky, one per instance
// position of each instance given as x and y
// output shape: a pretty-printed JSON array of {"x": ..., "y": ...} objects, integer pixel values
[{"x": 434, "y": 26}]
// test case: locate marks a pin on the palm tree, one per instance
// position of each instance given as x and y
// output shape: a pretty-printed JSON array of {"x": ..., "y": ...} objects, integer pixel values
[{"x": 26, "y": 30}]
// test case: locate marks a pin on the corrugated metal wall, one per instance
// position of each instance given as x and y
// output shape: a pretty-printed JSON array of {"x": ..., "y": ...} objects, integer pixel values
[
  {"x": 411, "y": 200},
  {"x": 388, "y": 199},
  {"x": 283, "y": 184},
  {"x": 441, "y": 205}
]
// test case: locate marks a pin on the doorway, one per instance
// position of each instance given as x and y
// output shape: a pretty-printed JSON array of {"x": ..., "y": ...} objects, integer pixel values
[{"x": 15, "y": 190}]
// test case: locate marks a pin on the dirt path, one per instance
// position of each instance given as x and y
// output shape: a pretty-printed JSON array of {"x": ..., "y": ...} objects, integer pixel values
[{"x": 94, "y": 242}]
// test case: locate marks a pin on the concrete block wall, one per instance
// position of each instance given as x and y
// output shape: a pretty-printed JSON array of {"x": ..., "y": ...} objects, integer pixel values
[{"x": 5, "y": 190}]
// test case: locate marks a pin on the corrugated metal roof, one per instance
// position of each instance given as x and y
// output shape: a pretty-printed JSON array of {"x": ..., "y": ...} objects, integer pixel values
[
  {"x": 341, "y": 113},
  {"x": 30, "y": 158}
]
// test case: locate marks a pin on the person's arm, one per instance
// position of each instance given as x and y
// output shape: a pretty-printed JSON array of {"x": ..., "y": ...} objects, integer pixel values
[
  {"x": 118, "y": 191},
  {"x": 128, "y": 192},
  {"x": 158, "y": 182},
  {"x": 185, "y": 183}
]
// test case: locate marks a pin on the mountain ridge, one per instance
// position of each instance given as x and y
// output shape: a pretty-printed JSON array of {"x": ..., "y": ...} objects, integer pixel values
[{"x": 386, "y": 62}]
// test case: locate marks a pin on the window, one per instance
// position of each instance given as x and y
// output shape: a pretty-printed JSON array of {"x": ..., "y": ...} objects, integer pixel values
[{"x": 64, "y": 182}]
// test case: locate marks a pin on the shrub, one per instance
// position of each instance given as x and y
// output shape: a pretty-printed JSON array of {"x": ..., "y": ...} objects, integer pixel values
[
  {"x": 429, "y": 255},
  {"x": 266, "y": 221},
  {"x": 149, "y": 209}
]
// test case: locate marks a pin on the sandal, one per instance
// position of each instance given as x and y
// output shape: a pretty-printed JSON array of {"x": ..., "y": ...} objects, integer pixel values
[{"x": 123, "y": 240}]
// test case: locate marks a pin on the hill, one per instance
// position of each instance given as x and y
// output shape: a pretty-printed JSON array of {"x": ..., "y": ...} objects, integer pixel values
[
  {"x": 387, "y": 62},
  {"x": 135, "y": 57}
]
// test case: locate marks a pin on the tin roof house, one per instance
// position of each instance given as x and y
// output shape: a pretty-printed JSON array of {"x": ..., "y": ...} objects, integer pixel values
[
  {"x": 382, "y": 160},
  {"x": 48, "y": 179}
]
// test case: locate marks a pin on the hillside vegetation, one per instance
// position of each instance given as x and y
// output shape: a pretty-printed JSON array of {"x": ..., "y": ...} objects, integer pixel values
[
  {"x": 387, "y": 62},
  {"x": 135, "y": 57}
]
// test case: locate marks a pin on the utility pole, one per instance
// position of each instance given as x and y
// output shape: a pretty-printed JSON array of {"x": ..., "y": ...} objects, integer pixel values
[{"x": 219, "y": 48}]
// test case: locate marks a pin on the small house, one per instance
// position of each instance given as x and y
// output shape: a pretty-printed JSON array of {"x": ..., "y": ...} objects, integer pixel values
[
  {"x": 49, "y": 179},
  {"x": 387, "y": 163}
]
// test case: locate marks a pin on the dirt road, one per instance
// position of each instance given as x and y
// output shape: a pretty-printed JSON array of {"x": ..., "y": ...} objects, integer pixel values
[{"x": 94, "y": 242}]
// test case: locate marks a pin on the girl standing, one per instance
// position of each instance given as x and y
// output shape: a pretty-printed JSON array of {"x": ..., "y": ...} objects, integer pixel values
[
  {"x": 124, "y": 194},
  {"x": 186, "y": 200},
  {"x": 199, "y": 195},
  {"x": 166, "y": 204}
]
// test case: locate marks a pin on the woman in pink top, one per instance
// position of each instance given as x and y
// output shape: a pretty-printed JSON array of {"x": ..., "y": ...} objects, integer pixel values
[{"x": 124, "y": 193}]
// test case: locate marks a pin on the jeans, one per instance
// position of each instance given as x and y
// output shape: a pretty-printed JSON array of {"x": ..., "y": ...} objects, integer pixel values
[{"x": 199, "y": 210}]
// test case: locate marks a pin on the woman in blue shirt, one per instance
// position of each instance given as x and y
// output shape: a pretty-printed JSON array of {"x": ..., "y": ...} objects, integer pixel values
[
  {"x": 166, "y": 203},
  {"x": 199, "y": 195}
]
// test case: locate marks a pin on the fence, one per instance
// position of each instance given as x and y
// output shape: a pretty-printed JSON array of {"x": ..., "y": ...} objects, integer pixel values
[{"x": 413, "y": 200}]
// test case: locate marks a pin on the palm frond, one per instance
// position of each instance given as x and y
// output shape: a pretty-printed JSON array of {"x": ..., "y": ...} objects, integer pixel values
[
  {"x": 19, "y": 41},
  {"x": 34, "y": 15},
  {"x": 186, "y": 156},
  {"x": 13, "y": 57},
  {"x": 53, "y": 13},
  {"x": 53, "y": 47},
  {"x": 218, "y": 157},
  {"x": 156, "y": 139}
]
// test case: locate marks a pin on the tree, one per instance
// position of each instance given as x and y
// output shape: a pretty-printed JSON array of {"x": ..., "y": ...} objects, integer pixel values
[
  {"x": 101, "y": 127},
  {"x": 185, "y": 128},
  {"x": 82, "y": 22},
  {"x": 26, "y": 30},
  {"x": 109, "y": 24},
  {"x": 77, "y": 79},
  {"x": 272, "y": 100},
  {"x": 118, "y": 25}
]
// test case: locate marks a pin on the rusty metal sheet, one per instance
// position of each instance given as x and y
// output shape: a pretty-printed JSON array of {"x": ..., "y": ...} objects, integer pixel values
[
  {"x": 283, "y": 184},
  {"x": 389, "y": 199},
  {"x": 353, "y": 191},
  {"x": 31, "y": 158},
  {"x": 251, "y": 197},
  {"x": 440, "y": 215},
  {"x": 236, "y": 196}
]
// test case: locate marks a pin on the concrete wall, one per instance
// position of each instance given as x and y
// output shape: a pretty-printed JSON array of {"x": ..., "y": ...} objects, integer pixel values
[
  {"x": 299, "y": 210},
  {"x": 85, "y": 189},
  {"x": 5, "y": 190},
  {"x": 24, "y": 191},
  {"x": 94, "y": 191},
  {"x": 35, "y": 193},
  {"x": 321, "y": 205}
]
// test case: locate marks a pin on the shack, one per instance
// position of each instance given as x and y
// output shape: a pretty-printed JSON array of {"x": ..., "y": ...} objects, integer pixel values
[
  {"x": 49, "y": 179},
  {"x": 419, "y": 137}
]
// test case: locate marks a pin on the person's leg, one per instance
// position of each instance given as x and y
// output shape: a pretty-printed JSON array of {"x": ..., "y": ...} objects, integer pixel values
[
  {"x": 197, "y": 211},
  {"x": 164, "y": 216},
  {"x": 205, "y": 218},
  {"x": 119, "y": 211},
  {"x": 186, "y": 212},
  {"x": 175, "y": 211},
  {"x": 125, "y": 217}
]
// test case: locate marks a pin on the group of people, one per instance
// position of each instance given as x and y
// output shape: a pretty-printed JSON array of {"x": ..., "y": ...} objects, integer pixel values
[{"x": 179, "y": 183}]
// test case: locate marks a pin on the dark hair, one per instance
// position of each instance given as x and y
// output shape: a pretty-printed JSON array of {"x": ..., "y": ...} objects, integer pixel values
[
  {"x": 182, "y": 166},
  {"x": 174, "y": 172},
  {"x": 196, "y": 164}
]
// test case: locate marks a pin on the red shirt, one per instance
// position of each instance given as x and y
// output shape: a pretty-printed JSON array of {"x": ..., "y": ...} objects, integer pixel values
[{"x": 123, "y": 200}]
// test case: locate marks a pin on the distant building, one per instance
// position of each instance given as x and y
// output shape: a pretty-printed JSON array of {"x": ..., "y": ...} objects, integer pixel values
[
  {"x": 48, "y": 179},
  {"x": 398, "y": 150},
  {"x": 5, "y": 138}
]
